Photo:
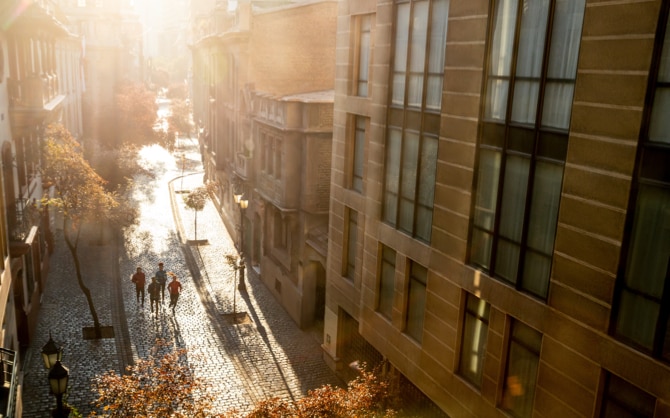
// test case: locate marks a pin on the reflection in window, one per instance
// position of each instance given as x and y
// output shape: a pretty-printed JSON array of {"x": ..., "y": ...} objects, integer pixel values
[
  {"x": 413, "y": 120},
  {"x": 523, "y": 140},
  {"x": 640, "y": 314},
  {"x": 521, "y": 373},
  {"x": 363, "y": 50},
  {"x": 475, "y": 332}
]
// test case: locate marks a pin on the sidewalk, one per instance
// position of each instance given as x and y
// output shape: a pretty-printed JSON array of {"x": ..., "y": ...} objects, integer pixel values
[{"x": 242, "y": 364}]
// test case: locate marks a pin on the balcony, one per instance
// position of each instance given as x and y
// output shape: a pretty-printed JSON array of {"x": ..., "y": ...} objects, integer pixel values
[
  {"x": 32, "y": 97},
  {"x": 8, "y": 361},
  {"x": 243, "y": 166}
]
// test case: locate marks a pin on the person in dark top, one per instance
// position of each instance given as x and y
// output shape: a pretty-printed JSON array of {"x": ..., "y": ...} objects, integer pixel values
[
  {"x": 139, "y": 279},
  {"x": 154, "y": 290}
]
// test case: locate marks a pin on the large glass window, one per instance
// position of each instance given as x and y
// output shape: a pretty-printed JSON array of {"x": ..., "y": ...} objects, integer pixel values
[
  {"x": 416, "y": 300},
  {"x": 642, "y": 302},
  {"x": 413, "y": 120},
  {"x": 351, "y": 241},
  {"x": 623, "y": 400},
  {"x": 521, "y": 372},
  {"x": 357, "y": 154},
  {"x": 475, "y": 332},
  {"x": 532, "y": 65},
  {"x": 362, "y": 53},
  {"x": 387, "y": 282}
]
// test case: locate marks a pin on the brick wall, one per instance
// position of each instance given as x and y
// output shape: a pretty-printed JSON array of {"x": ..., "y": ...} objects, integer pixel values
[{"x": 292, "y": 50}]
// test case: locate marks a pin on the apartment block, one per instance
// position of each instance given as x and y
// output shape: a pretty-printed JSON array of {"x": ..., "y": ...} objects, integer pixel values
[
  {"x": 500, "y": 203},
  {"x": 263, "y": 100}
]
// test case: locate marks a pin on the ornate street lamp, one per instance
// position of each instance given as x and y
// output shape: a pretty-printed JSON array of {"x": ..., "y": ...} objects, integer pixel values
[
  {"x": 59, "y": 376},
  {"x": 243, "y": 203},
  {"x": 51, "y": 353}
]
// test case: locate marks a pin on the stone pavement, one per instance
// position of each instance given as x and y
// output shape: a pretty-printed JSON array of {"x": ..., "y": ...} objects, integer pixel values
[{"x": 240, "y": 364}]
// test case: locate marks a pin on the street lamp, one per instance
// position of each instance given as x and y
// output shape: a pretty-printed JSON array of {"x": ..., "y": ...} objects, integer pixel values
[
  {"x": 243, "y": 203},
  {"x": 51, "y": 353},
  {"x": 58, "y": 375},
  {"x": 58, "y": 379}
]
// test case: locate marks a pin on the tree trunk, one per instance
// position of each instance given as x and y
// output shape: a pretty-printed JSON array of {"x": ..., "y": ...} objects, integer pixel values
[
  {"x": 195, "y": 226},
  {"x": 72, "y": 246}
]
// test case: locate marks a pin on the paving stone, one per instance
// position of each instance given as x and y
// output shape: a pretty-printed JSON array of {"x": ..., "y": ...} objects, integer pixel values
[{"x": 240, "y": 364}]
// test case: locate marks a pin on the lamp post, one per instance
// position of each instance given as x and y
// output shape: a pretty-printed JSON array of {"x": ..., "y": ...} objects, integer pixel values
[
  {"x": 51, "y": 353},
  {"x": 243, "y": 203},
  {"x": 58, "y": 379},
  {"x": 58, "y": 375}
]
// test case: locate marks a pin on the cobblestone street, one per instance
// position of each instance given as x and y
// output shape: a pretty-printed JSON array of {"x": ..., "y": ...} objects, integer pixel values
[{"x": 241, "y": 364}]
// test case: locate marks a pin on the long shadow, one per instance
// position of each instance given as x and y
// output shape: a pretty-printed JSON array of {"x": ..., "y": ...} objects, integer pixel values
[
  {"x": 268, "y": 311},
  {"x": 261, "y": 331}
]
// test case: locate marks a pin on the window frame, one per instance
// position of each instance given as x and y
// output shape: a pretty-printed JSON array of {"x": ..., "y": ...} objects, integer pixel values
[
  {"x": 380, "y": 307},
  {"x": 355, "y": 162},
  {"x": 478, "y": 318},
  {"x": 350, "y": 249},
  {"x": 649, "y": 153},
  {"x": 420, "y": 284},
  {"x": 606, "y": 396},
  {"x": 412, "y": 121},
  {"x": 358, "y": 45},
  {"x": 507, "y": 389},
  {"x": 539, "y": 150}
]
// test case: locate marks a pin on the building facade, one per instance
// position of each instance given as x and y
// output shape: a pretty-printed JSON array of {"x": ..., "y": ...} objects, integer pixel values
[
  {"x": 263, "y": 101},
  {"x": 499, "y": 203},
  {"x": 111, "y": 38},
  {"x": 40, "y": 84}
]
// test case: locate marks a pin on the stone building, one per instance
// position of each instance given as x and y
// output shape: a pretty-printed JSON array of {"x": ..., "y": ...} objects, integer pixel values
[
  {"x": 40, "y": 84},
  {"x": 263, "y": 100},
  {"x": 110, "y": 34},
  {"x": 499, "y": 218}
]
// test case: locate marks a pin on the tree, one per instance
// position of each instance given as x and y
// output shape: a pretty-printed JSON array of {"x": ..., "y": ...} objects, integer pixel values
[
  {"x": 180, "y": 118},
  {"x": 158, "y": 386},
  {"x": 367, "y": 396},
  {"x": 196, "y": 200},
  {"x": 160, "y": 77},
  {"x": 78, "y": 194},
  {"x": 165, "y": 385},
  {"x": 177, "y": 91},
  {"x": 135, "y": 116}
]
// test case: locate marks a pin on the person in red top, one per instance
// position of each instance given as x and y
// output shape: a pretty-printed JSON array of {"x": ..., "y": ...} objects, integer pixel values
[
  {"x": 174, "y": 287},
  {"x": 139, "y": 279}
]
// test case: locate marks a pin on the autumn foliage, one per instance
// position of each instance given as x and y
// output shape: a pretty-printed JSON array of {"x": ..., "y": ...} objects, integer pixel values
[
  {"x": 78, "y": 194},
  {"x": 135, "y": 115},
  {"x": 166, "y": 386},
  {"x": 162, "y": 385},
  {"x": 179, "y": 119},
  {"x": 367, "y": 396}
]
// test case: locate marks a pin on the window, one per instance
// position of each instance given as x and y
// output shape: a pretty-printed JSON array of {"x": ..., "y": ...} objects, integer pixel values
[
  {"x": 623, "y": 400},
  {"x": 349, "y": 265},
  {"x": 269, "y": 157},
  {"x": 278, "y": 157},
  {"x": 475, "y": 332},
  {"x": 523, "y": 358},
  {"x": 414, "y": 119},
  {"x": 642, "y": 298},
  {"x": 386, "y": 282},
  {"x": 357, "y": 154},
  {"x": 280, "y": 232},
  {"x": 416, "y": 300},
  {"x": 362, "y": 53},
  {"x": 523, "y": 139}
]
